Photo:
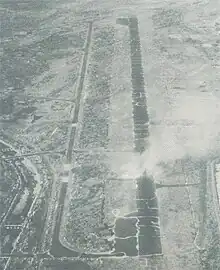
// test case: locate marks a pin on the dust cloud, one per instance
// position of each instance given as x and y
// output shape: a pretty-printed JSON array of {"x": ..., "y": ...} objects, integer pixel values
[{"x": 190, "y": 128}]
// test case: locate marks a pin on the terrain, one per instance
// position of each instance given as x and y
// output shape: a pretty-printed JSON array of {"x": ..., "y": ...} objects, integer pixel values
[{"x": 109, "y": 135}]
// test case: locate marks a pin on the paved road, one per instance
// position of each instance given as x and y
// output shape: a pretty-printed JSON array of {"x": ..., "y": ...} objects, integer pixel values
[{"x": 113, "y": 90}]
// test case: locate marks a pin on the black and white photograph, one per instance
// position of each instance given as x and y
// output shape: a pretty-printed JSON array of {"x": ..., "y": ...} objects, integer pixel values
[{"x": 109, "y": 134}]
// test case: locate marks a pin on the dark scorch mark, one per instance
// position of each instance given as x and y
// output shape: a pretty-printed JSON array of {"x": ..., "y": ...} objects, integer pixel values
[
  {"x": 140, "y": 115},
  {"x": 148, "y": 230},
  {"x": 148, "y": 216}
]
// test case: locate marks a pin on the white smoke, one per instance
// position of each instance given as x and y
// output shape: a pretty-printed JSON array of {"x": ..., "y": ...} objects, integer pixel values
[{"x": 190, "y": 128}]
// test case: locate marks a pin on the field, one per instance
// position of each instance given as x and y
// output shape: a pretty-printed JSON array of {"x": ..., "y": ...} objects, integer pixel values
[{"x": 109, "y": 135}]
